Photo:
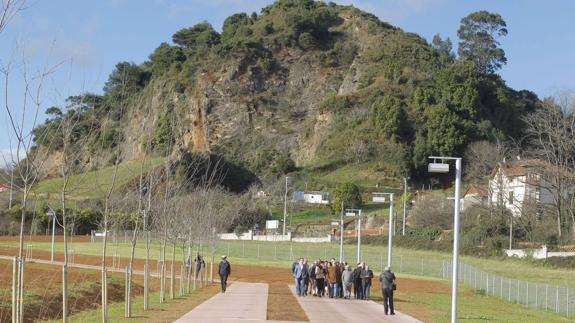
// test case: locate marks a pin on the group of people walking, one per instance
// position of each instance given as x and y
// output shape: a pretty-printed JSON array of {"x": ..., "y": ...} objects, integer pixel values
[{"x": 336, "y": 279}]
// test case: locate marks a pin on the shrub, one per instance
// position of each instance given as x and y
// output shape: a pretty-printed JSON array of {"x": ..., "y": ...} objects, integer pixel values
[{"x": 337, "y": 104}]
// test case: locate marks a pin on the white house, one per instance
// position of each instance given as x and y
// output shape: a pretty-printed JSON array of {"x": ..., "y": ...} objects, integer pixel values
[
  {"x": 312, "y": 197},
  {"x": 515, "y": 183}
]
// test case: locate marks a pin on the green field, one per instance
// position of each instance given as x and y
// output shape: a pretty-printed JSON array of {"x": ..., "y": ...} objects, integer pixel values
[
  {"x": 420, "y": 262},
  {"x": 96, "y": 183}
]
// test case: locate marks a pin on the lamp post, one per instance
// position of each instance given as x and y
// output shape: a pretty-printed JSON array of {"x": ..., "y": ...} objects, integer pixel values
[
  {"x": 435, "y": 167},
  {"x": 379, "y": 199},
  {"x": 341, "y": 235},
  {"x": 52, "y": 215},
  {"x": 356, "y": 213},
  {"x": 285, "y": 206}
]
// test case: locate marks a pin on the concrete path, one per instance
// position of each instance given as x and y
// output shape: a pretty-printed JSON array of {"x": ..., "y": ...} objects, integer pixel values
[
  {"x": 342, "y": 310},
  {"x": 240, "y": 303}
]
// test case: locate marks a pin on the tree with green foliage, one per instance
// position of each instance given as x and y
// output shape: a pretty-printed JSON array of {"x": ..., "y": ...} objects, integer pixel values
[
  {"x": 478, "y": 34},
  {"x": 349, "y": 194},
  {"x": 444, "y": 49},
  {"x": 164, "y": 57},
  {"x": 126, "y": 78},
  {"x": 201, "y": 35},
  {"x": 389, "y": 117},
  {"x": 235, "y": 27}
]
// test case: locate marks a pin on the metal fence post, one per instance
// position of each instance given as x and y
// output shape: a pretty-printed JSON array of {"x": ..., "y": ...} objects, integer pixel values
[
  {"x": 557, "y": 299},
  {"x": 567, "y": 302},
  {"x": 537, "y": 296},
  {"x": 422, "y": 266},
  {"x": 527, "y": 293},
  {"x": 546, "y": 298}
]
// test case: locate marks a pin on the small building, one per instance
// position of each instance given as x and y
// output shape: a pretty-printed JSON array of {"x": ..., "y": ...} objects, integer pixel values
[
  {"x": 473, "y": 196},
  {"x": 313, "y": 197},
  {"x": 521, "y": 183}
]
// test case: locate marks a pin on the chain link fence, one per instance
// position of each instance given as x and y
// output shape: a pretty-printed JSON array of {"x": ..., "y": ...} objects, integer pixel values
[
  {"x": 544, "y": 297},
  {"x": 539, "y": 296}
]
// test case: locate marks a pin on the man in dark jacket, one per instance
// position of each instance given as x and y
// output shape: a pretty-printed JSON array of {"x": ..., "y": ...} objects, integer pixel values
[
  {"x": 356, "y": 276},
  {"x": 387, "y": 279},
  {"x": 224, "y": 270}
]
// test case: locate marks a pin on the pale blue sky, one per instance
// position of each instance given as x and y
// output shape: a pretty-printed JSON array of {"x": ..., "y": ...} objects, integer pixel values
[{"x": 90, "y": 37}]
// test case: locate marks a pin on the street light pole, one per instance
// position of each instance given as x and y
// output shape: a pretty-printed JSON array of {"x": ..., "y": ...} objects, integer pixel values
[
  {"x": 285, "y": 207},
  {"x": 444, "y": 168},
  {"x": 341, "y": 235},
  {"x": 456, "y": 241},
  {"x": 390, "y": 231},
  {"x": 359, "y": 237},
  {"x": 404, "y": 205}
]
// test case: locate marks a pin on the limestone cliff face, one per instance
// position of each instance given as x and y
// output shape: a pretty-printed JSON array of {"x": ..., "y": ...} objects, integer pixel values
[{"x": 239, "y": 107}]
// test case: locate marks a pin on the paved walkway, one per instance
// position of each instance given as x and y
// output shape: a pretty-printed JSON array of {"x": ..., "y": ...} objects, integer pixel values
[
  {"x": 343, "y": 310},
  {"x": 247, "y": 302},
  {"x": 242, "y": 302}
]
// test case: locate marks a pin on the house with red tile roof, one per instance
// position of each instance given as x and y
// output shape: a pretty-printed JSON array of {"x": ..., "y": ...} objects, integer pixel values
[{"x": 514, "y": 184}]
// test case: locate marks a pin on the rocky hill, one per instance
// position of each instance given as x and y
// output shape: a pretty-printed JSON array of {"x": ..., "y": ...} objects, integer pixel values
[{"x": 304, "y": 84}]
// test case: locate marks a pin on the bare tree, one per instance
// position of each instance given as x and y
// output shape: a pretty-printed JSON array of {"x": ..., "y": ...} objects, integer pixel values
[
  {"x": 22, "y": 118},
  {"x": 9, "y": 10},
  {"x": 550, "y": 134},
  {"x": 481, "y": 159}
]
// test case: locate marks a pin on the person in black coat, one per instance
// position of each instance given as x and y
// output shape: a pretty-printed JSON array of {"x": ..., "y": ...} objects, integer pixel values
[
  {"x": 356, "y": 276},
  {"x": 224, "y": 270},
  {"x": 387, "y": 279}
]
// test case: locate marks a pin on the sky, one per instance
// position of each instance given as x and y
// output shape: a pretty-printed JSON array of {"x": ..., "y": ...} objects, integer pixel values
[{"x": 76, "y": 44}]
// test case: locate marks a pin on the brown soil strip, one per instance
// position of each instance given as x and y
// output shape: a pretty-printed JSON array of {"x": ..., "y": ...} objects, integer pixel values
[
  {"x": 407, "y": 287},
  {"x": 282, "y": 304}
]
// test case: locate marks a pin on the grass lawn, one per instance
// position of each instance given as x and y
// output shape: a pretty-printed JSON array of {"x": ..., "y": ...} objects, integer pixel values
[
  {"x": 430, "y": 300},
  {"x": 421, "y": 262},
  {"x": 97, "y": 183}
]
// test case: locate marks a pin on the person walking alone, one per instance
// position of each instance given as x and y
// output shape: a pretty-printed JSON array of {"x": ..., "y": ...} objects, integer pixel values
[
  {"x": 387, "y": 279},
  {"x": 224, "y": 270}
]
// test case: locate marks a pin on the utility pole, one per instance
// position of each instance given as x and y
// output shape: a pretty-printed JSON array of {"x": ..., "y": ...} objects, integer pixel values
[
  {"x": 341, "y": 235},
  {"x": 285, "y": 206},
  {"x": 404, "y": 205}
]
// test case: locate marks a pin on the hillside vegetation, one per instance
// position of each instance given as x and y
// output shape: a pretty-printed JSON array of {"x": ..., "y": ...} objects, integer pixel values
[{"x": 302, "y": 85}]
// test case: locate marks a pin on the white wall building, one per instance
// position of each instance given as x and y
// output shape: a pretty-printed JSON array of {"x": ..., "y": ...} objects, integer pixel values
[
  {"x": 316, "y": 197},
  {"x": 516, "y": 183}
]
